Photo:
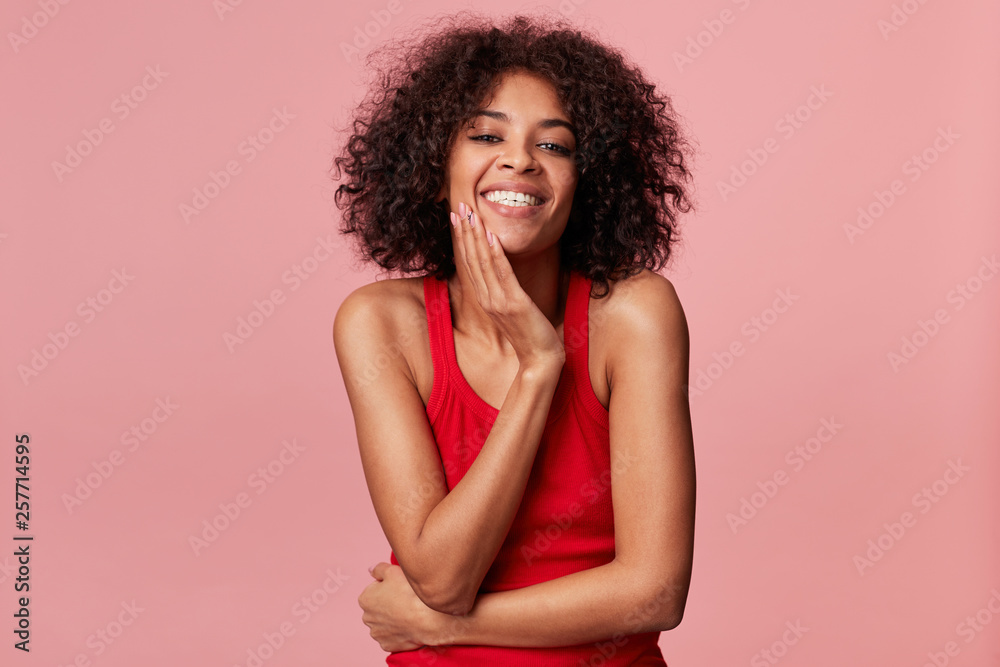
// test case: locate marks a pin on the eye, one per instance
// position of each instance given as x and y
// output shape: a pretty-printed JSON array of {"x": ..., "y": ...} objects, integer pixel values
[
  {"x": 488, "y": 138},
  {"x": 557, "y": 148}
]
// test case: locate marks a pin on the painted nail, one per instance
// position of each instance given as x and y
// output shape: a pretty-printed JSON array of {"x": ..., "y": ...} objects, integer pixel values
[
  {"x": 454, "y": 218},
  {"x": 472, "y": 219},
  {"x": 461, "y": 209},
  {"x": 489, "y": 236}
]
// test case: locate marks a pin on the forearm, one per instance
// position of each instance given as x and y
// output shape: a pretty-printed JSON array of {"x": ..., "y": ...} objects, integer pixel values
[
  {"x": 587, "y": 606},
  {"x": 463, "y": 533}
]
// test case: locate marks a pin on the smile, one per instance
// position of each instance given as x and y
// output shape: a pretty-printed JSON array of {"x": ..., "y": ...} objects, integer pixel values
[{"x": 514, "y": 199}]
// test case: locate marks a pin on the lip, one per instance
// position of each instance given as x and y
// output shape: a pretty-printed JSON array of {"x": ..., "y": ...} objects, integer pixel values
[{"x": 514, "y": 186}]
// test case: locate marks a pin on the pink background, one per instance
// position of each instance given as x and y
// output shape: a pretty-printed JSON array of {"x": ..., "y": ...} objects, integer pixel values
[{"x": 162, "y": 335}]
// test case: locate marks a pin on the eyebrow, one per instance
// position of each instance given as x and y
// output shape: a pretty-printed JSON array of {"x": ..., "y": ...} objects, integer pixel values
[{"x": 545, "y": 123}]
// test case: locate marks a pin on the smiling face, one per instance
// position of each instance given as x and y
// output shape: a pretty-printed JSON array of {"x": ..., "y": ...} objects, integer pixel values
[{"x": 522, "y": 142}]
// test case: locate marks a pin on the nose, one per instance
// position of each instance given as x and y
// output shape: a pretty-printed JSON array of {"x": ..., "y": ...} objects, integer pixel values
[{"x": 517, "y": 156}]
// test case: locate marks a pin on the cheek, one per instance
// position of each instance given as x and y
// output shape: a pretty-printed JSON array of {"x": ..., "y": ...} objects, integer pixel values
[
  {"x": 568, "y": 189},
  {"x": 567, "y": 179}
]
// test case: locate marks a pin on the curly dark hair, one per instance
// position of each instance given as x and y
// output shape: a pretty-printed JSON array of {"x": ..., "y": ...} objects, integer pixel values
[{"x": 630, "y": 156}]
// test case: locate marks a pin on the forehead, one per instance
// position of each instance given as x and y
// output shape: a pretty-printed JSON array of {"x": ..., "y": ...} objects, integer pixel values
[{"x": 521, "y": 93}]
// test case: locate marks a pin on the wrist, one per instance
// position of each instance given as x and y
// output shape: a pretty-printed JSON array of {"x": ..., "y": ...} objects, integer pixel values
[
  {"x": 543, "y": 371},
  {"x": 444, "y": 629}
]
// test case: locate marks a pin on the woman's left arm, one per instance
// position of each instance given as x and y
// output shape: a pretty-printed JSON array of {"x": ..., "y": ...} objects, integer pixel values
[{"x": 644, "y": 588}]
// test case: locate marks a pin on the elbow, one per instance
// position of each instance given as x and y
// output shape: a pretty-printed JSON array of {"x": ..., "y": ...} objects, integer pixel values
[
  {"x": 663, "y": 606},
  {"x": 672, "y": 619},
  {"x": 457, "y": 607},
  {"x": 447, "y": 604},
  {"x": 444, "y": 597},
  {"x": 439, "y": 584},
  {"x": 662, "y": 616}
]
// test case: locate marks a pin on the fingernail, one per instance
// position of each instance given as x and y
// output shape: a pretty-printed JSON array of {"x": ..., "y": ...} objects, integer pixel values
[
  {"x": 461, "y": 209},
  {"x": 472, "y": 219},
  {"x": 489, "y": 236},
  {"x": 454, "y": 218}
]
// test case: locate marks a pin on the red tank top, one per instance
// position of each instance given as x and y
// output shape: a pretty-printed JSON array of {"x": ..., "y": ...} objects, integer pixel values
[{"x": 565, "y": 521}]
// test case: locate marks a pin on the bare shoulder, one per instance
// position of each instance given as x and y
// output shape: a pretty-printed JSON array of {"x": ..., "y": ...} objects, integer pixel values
[
  {"x": 371, "y": 308},
  {"x": 640, "y": 316},
  {"x": 379, "y": 318},
  {"x": 644, "y": 303}
]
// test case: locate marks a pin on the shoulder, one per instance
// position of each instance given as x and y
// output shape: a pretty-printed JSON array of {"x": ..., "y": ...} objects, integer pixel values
[
  {"x": 378, "y": 313},
  {"x": 641, "y": 316},
  {"x": 645, "y": 302}
]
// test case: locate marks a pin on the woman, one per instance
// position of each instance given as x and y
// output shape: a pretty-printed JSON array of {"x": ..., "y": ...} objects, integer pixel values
[{"x": 525, "y": 436}]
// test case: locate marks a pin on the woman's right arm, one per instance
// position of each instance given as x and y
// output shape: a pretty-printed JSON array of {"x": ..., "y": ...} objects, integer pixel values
[{"x": 444, "y": 541}]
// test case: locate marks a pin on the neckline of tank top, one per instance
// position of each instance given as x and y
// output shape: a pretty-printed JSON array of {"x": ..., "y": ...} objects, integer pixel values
[{"x": 576, "y": 348}]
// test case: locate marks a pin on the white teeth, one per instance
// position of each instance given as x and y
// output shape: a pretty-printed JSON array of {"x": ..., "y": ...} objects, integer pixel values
[{"x": 515, "y": 199}]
